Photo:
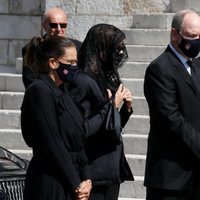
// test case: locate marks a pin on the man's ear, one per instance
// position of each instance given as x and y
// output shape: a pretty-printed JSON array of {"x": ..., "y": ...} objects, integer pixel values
[
  {"x": 53, "y": 63},
  {"x": 174, "y": 35}
]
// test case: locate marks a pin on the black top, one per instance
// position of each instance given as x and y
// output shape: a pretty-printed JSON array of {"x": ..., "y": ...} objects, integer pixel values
[{"x": 107, "y": 160}]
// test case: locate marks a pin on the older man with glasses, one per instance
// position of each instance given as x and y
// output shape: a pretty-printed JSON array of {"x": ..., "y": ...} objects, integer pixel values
[
  {"x": 171, "y": 88},
  {"x": 54, "y": 22}
]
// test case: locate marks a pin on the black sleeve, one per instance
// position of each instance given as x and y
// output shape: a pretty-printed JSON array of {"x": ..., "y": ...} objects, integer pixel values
[{"x": 125, "y": 115}]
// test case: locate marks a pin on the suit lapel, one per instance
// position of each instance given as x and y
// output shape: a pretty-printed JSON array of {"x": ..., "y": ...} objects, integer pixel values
[
  {"x": 196, "y": 73},
  {"x": 183, "y": 72}
]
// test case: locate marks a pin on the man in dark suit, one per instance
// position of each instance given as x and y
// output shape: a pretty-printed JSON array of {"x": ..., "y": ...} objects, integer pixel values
[{"x": 171, "y": 90}]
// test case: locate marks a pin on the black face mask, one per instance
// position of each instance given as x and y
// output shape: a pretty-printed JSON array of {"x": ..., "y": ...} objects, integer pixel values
[
  {"x": 190, "y": 48},
  {"x": 66, "y": 72}
]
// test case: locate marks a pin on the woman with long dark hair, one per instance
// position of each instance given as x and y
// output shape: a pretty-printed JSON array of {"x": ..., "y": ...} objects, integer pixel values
[{"x": 102, "y": 53}]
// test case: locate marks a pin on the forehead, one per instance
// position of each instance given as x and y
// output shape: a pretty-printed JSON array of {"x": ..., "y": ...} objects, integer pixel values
[
  {"x": 191, "y": 23},
  {"x": 70, "y": 52},
  {"x": 57, "y": 17}
]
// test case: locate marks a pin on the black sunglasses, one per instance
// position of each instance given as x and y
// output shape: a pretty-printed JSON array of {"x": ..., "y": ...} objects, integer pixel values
[{"x": 55, "y": 25}]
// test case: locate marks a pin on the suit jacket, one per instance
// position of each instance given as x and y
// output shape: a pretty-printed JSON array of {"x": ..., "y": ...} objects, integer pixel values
[{"x": 173, "y": 151}]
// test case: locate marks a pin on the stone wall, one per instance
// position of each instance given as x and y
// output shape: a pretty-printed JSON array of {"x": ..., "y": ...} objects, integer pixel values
[
  {"x": 85, "y": 13},
  {"x": 19, "y": 21}
]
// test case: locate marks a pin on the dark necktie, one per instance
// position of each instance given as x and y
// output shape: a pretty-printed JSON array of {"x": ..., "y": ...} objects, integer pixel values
[
  {"x": 189, "y": 62},
  {"x": 194, "y": 76}
]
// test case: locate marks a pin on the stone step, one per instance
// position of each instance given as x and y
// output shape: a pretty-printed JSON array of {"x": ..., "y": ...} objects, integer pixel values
[
  {"x": 121, "y": 198},
  {"x": 155, "y": 37},
  {"x": 12, "y": 139},
  {"x": 135, "y": 86},
  {"x": 152, "y": 21},
  {"x": 13, "y": 101},
  {"x": 7, "y": 69},
  {"x": 135, "y": 144},
  {"x": 143, "y": 53},
  {"x": 140, "y": 106},
  {"x": 137, "y": 51},
  {"x": 137, "y": 124},
  {"x": 10, "y": 119},
  {"x": 136, "y": 162},
  {"x": 133, "y": 70},
  {"x": 11, "y": 82},
  {"x": 139, "y": 58},
  {"x": 133, "y": 189}
]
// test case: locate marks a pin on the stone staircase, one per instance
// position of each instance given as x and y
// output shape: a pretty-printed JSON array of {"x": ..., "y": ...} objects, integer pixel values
[{"x": 146, "y": 39}]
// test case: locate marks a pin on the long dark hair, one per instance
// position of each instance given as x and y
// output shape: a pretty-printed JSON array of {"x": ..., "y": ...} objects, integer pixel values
[{"x": 99, "y": 58}]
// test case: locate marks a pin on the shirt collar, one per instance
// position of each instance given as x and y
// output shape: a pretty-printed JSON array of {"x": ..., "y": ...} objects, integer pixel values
[{"x": 182, "y": 58}]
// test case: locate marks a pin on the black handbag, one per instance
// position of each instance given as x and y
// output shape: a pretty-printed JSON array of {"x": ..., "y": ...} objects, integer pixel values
[{"x": 113, "y": 122}]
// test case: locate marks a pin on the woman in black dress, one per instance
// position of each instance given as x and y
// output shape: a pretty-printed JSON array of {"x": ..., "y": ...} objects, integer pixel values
[
  {"x": 52, "y": 126},
  {"x": 102, "y": 53}
]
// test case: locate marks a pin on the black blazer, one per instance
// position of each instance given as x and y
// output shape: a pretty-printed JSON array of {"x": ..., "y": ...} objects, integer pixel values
[
  {"x": 52, "y": 127},
  {"x": 174, "y": 139}
]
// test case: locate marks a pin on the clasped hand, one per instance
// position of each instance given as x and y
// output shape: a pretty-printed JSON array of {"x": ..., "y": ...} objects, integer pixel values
[
  {"x": 83, "y": 191},
  {"x": 123, "y": 94}
]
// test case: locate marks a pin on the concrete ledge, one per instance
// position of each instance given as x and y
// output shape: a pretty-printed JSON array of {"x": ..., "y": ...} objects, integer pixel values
[
  {"x": 154, "y": 37},
  {"x": 185, "y": 4},
  {"x": 152, "y": 21}
]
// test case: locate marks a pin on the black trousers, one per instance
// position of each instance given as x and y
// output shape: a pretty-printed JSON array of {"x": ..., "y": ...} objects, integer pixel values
[
  {"x": 162, "y": 194},
  {"x": 106, "y": 192}
]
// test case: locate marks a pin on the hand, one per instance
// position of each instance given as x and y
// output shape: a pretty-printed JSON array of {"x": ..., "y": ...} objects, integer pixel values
[
  {"x": 128, "y": 98},
  {"x": 119, "y": 96},
  {"x": 83, "y": 191}
]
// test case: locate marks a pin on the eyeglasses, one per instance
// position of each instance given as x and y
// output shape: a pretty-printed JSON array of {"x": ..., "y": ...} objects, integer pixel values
[{"x": 55, "y": 25}]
